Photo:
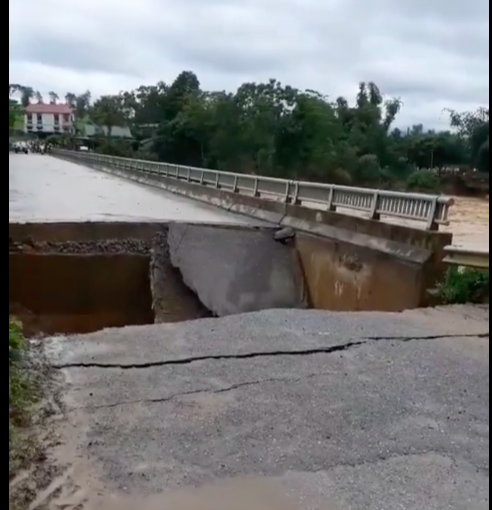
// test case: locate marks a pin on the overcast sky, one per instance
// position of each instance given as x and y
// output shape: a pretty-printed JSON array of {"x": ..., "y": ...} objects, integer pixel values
[{"x": 431, "y": 53}]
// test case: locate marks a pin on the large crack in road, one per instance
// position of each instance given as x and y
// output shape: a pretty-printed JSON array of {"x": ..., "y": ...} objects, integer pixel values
[
  {"x": 265, "y": 354},
  {"x": 372, "y": 410}
]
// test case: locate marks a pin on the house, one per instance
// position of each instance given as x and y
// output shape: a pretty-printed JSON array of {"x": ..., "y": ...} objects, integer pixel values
[
  {"x": 121, "y": 132},
  {"x": 88, "y": 130},
  {"x": 49, "y": 119}
]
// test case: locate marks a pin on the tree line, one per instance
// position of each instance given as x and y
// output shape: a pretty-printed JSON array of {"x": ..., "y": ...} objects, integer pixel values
[{"x": 278, "y": 130}]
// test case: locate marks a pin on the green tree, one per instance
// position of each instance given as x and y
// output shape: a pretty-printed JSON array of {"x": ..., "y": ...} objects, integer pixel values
[
  {"x": 71, "y": 99},
  {"x": 275, "y": 129},
  {"x": 82, "y": 104},
  {"x": 108, "y": 112},
  {"x": 54, "y": 97},
  {"x": 14, "y": 113},
  {"x": 473, "y": 128},
  {"x": 27, "y": 96},
  {"x": 13, "y": 88}
]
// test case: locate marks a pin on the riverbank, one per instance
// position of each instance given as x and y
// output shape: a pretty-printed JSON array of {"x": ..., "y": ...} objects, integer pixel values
[{"x": 32, "y": 403}]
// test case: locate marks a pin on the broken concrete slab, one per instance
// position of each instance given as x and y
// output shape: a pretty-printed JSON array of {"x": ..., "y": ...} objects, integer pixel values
[
  {"x": 236, "y": 269},
  {"x": 173, "y": 300}
]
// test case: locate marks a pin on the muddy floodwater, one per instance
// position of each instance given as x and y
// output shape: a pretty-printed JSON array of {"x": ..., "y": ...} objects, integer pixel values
[{"x": 470, "y": 222}]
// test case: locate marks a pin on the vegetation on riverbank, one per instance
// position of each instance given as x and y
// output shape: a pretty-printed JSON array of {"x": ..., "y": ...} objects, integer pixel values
[
  {"x": 16, "y": 121},
  {"x": 277, "y": 130},
  {"x": 33, "y": 403},
  {"x": 23, "y": 394},
  {"x": 464, "y": 285}
]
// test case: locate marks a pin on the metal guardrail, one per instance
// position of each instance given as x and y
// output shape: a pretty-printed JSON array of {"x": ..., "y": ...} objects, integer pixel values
[
  {"x": 431, "y": 209},
  {"x": 469, "y": 257}
]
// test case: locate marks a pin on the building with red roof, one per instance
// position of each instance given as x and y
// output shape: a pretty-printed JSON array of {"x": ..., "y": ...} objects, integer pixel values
[{"x": 48, "y": 118}]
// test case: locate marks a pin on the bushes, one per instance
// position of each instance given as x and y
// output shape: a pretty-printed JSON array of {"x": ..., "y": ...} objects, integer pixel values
[
  {"x": 22, "y": 392},
  {"x": 423, "y": 180},
  {"x": 16, "y": 341},
  {"x": 464, "y": 285}
]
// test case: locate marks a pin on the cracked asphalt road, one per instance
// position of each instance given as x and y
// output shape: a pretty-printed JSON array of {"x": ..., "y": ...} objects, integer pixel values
[{"x": 327, "y": 411}]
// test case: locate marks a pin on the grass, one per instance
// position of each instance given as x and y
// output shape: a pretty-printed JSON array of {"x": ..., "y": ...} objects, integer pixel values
[
  {"x": 464, "y": 285},
  {"x": 23, "y": 393}
]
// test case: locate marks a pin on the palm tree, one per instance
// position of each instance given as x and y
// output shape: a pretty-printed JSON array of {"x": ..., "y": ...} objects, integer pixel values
[
  {"x": 53, "y": 97},
  {"x": 14, "y": 87},
  {"x": 71, "y": 99},
  {"x": 83, "y": 104},
  {"x": 27, "y": 96}
]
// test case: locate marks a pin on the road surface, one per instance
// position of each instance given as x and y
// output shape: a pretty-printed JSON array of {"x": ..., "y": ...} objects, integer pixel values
[
  {"x": 47, "y": 189},
  {"x": 279, "y": 410}
]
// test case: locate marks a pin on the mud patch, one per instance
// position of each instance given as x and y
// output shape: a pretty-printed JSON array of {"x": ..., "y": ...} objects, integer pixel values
[
  {"x": 236, "y": 494},
  {"x": 29, "y": 467}
]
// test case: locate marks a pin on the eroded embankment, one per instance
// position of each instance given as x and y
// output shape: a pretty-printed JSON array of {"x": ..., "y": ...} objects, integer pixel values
[
  {"x": 62, "y": 281},
  {"x": 173, "y": 300}
]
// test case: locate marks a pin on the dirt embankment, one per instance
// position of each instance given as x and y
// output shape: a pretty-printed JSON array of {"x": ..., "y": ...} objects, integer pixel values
[{"x": 31, "y": 439}]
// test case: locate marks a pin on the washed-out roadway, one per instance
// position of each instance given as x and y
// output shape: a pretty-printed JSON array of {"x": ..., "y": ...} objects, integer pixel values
[
  {"x": 275, "y": 410},
  {"x": 280, "y": 410}
]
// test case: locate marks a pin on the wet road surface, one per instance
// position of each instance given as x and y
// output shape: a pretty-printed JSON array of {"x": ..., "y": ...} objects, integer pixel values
[
  {"x": 278, "y": 410},
  {"x": 46, "y": 189}
]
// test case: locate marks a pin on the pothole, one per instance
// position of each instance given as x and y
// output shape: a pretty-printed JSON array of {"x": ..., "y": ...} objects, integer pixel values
[{"x": 81, "y": 287}]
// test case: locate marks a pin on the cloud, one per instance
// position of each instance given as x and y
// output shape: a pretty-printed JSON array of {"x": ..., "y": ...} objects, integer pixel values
[{"x": 431, "y": 53}]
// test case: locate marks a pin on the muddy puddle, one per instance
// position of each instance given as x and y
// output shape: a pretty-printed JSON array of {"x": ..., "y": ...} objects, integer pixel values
[{"x": 239, "y": 494}]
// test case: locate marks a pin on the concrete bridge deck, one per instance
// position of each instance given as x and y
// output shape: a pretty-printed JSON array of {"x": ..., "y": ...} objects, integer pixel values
[{"x": 47, "y": 189}]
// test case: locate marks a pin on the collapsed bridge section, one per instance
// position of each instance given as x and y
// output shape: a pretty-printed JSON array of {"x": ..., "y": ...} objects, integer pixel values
[{"x": 82, "y": 277}]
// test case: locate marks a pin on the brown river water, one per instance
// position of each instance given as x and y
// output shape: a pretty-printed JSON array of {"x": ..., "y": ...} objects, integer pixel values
[{"x": 470, "y": 222}]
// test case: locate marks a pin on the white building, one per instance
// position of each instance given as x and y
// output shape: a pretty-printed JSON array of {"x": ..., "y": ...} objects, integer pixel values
[{"x": 49, "y": 119}]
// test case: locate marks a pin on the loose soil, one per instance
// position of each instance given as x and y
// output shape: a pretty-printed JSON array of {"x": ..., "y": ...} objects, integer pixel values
[
  {"x": 130, "y": 246},
  {"x": 29, "y": 468}
]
